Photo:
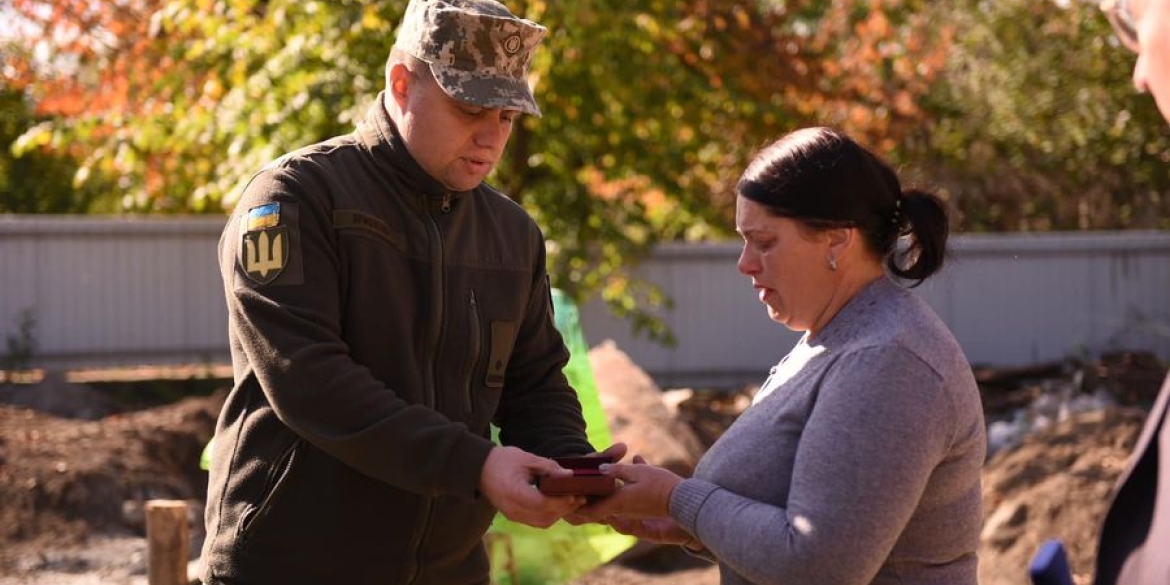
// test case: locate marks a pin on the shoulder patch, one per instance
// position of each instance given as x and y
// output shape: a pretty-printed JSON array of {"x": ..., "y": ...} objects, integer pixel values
[
  {"x": 264, "y": 216},
  {"x": 264, "y": 253},
  {"x": 265, "y": 245}
]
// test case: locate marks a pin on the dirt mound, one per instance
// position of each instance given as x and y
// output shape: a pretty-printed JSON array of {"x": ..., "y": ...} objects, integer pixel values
[
  {"x": 71, "y": 489},
  {"x": 637, "y": 414},
  {"x": 55, "y": 396},
  {"x": 1054, "y": 485},
  {"x": 64, "y": 481}
]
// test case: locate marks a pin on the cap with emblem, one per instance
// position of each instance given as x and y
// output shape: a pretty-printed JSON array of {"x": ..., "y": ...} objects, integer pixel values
[{"x": 478, "y": 51}]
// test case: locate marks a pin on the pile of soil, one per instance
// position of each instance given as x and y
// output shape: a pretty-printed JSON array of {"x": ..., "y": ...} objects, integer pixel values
[
  {"x": 75, "y": 472},
  {"x": 1055, "y": 484},
  {"x": 72, "y": 490}
]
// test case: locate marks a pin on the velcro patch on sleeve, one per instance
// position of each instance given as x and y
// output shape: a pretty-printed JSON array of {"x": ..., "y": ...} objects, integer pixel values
[{"x": 269, "y": 245}]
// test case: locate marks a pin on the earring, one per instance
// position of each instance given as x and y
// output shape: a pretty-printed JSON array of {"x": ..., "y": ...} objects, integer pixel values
[{"x": 832, "y": 264}]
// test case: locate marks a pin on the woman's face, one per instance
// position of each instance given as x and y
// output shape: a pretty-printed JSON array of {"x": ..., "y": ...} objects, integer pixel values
[{"x": 788, "y": 265}]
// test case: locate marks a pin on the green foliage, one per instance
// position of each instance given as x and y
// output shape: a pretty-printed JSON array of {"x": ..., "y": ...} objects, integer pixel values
[
  {"x": 1036, "y": 125},
  {"x": 623, "y": 157},
  {"x": 268, "y": 77},
  {"x": 41, "y": 181},
  {"x": 652, "y": 107}
]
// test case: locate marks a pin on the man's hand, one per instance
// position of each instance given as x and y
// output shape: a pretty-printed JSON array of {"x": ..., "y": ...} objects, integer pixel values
[
  {"x": 615, "y": 451},
  {"x": 507, "y": 482}
]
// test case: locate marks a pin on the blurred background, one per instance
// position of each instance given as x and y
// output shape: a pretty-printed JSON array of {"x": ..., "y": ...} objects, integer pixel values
[
  {"x": 1019, "y": 113},
  {"x": 128, "y": 128}
]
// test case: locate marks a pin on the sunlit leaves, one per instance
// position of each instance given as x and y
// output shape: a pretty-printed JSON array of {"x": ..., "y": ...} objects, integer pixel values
[
  {"x": 652, "y": 107},
  {"x": 1037, "y": 127}
]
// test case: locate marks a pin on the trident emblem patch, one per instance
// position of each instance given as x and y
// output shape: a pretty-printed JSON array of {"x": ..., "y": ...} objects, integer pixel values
[{"x": 264, "y": 252}]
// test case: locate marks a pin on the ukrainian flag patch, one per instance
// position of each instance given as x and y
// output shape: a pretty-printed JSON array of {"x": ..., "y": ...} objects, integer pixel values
[
  {"x": 264, "y": 216},
  {"x": 264, "y": 251}
]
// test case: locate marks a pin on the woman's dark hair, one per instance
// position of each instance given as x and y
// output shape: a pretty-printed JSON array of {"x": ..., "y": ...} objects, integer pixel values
[{"x": 824, "y": 179}]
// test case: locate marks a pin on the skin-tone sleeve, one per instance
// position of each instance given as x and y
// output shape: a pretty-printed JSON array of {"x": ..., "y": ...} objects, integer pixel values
[{"x": 881, "y": 423}]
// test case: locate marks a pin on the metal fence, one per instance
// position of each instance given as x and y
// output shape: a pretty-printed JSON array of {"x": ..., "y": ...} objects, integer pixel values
[
  {"x": 104, "y": 292},
  {"x": 113, "y": 292},
  {"x": 1010, "y": 299}
]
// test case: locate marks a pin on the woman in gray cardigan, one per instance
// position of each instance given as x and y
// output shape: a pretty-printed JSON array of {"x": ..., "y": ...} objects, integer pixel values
[{"x": 859, "y": 459}]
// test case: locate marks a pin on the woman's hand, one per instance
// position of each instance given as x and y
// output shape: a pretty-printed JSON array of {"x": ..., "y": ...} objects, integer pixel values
[
  {"x": 660, "y": 530},
  {"x": 643, "y": 492}
]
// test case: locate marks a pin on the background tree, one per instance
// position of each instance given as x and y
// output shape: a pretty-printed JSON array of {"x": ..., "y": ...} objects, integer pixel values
[
  {"x": 1035, "y": 124},
  {"x": 652, "y": 107},
  {"x": 41, "y": 181},
  {"x": 96, "y": 76}
]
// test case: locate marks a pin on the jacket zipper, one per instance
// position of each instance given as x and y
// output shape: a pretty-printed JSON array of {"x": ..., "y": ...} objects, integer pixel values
[
  {"x": 472, "y": 353},
  {"x": 438, "y": 285}
]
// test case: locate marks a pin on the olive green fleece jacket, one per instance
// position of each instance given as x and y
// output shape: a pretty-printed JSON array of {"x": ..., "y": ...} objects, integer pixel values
[{"x": 378, "y": 324}]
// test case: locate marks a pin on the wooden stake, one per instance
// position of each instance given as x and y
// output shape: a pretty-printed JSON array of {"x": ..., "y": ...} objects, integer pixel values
[{"x": 168, "y": 547}]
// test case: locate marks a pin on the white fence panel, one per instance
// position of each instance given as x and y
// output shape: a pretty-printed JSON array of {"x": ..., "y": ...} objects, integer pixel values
[
  {"x": 110, "y": 292},
  {"x": 114, "y": 291},
  {"x": 1010, "y": 299},
  {"x": 1014, "y": 299},
  {"x": 723, "y": 334}
]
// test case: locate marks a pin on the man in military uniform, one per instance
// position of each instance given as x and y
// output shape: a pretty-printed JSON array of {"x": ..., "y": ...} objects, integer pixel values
[{"x": 386, "y": 306}]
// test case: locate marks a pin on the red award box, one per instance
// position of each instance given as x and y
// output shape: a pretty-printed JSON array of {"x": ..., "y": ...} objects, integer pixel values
[{"x": 587, "y": 479}]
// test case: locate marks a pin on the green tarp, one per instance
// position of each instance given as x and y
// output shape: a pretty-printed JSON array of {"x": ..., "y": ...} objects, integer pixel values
[{"x": 522, "y": 555}]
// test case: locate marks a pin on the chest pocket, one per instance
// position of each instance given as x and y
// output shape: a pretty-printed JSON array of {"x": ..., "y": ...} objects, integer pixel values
[{"x": 503, "y": 338}]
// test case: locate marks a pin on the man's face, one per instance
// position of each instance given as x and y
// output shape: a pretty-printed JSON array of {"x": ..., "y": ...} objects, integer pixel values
[
  {"x": 1151, "y": 73},
  {"x": 455, "y": 142}
]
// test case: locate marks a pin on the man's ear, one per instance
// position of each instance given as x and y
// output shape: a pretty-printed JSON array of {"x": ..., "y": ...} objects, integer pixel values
[{"x": 400, "y": 80}]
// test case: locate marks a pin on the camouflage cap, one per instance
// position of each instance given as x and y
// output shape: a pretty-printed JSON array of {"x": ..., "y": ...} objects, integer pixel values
[{"x": 478, "y": 51}]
